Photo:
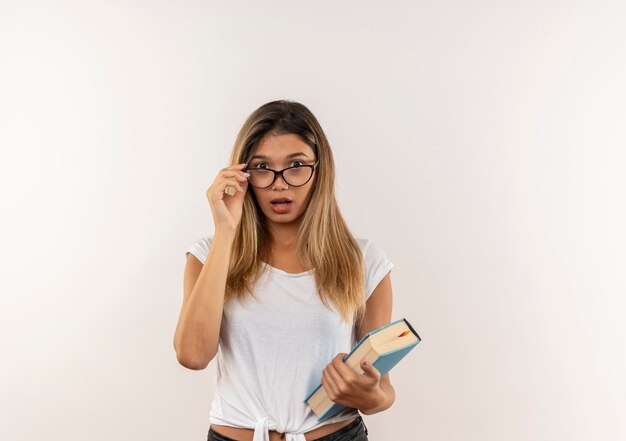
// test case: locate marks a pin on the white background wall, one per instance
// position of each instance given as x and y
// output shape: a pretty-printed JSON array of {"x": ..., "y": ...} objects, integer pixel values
[{"x": 480, "y": 143}]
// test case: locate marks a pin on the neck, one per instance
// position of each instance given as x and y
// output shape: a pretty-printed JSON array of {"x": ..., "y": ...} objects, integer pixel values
[{"x": 284, "y": 237}]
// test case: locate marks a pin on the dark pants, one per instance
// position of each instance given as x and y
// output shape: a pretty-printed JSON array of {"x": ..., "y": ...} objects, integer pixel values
[{"x": 355, "y": 431}]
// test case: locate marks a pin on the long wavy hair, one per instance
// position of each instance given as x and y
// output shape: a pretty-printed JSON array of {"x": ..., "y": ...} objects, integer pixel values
[{"x": 324, "y": 241}]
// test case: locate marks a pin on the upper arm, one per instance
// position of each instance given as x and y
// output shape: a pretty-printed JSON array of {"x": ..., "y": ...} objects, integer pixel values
[
  {"x": 192, "y": 271},
  {"x": 378, "y": 311},
  {"x": 196, "y": 256}
]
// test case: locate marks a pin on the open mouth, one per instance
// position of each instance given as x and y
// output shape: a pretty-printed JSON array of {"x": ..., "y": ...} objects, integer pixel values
[{"x": 281, "y": 202}]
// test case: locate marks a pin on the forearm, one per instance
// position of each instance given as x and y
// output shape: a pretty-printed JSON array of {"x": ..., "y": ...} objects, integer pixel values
[{"x": 197, "y": 333}]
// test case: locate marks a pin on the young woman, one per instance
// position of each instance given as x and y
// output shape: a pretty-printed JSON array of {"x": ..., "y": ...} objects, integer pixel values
[{"x": 282, "y": 291}]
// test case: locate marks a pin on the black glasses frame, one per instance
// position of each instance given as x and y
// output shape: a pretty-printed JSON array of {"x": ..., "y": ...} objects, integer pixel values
[{"x": 280, "y": 173}]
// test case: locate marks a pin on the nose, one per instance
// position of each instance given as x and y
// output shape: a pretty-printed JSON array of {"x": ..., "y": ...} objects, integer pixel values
[{"x": 283, "y": 183}]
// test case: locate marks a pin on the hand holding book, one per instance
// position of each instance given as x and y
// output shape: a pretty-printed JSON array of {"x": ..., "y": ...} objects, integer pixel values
[
  {"x": 383, "y": 348},
  {"x": 346, "y": 387}
]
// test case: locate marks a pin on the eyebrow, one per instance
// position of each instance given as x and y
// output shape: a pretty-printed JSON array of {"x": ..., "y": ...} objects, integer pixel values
[{"x": 293, "y": 155}]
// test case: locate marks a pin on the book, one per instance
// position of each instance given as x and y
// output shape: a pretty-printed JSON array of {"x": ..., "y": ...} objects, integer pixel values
[{"x": 383, "y": 347}]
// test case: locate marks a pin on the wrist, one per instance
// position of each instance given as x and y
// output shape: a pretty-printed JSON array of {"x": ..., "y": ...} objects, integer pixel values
[
  {"x": 378, "y": 403},
  {"x": 225, "y": 232}
]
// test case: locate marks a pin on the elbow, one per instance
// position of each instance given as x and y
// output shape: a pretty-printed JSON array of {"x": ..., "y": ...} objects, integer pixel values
[
  {"x": 191, "y": 364},
  {"x": 193, "y": 361},
  {"x": 195, "y": 355}
]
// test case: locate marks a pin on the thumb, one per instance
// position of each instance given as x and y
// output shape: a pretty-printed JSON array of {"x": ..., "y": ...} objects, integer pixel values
[{"x": 368, "y": 369}]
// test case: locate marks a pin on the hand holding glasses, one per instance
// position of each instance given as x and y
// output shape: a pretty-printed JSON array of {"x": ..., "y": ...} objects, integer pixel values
[{"x": 227, "y": 210}]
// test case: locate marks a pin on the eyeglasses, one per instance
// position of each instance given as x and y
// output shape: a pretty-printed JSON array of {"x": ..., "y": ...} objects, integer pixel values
[{"x": 295, "y": 176}]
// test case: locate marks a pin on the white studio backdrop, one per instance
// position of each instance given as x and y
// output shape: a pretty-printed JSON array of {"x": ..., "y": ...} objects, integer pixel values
[{"x": 480, "y": 143}]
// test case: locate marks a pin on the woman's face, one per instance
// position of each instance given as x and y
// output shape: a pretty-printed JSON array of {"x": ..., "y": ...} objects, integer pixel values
[{"x": 278, "y": 152}]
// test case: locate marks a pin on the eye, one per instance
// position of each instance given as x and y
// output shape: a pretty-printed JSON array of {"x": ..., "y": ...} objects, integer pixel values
[{"x": 296, "y": 163}]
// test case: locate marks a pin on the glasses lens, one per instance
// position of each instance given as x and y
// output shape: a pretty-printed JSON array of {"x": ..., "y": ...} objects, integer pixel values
[
  {"x": 260, "y": 178},
  {"x": 297, "y": 175}
]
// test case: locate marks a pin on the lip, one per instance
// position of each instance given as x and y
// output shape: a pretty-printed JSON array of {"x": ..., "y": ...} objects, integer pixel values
[
  {"x": 280, "y": 200},
  {"x": 281, "y": 209}
]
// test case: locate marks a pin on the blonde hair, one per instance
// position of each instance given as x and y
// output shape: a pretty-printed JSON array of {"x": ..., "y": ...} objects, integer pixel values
[{"x": 324, "y": 241}]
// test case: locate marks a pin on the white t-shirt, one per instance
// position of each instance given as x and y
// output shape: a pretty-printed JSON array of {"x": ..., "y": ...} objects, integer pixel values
[{"x": 272, "y": 350}]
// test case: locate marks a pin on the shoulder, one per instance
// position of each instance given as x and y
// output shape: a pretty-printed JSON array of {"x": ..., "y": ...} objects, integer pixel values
[
  {"x": 377, "y": 264},
  {"x": 370, "y": 249},
  {"x": 364, "y": 244},
  {"x": 200, "y": 247}
]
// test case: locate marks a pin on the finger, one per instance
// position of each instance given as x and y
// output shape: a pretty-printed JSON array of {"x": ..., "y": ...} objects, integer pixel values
[
  {"x": 335, "y": 377},
  {"x": 234, "y": 178},
  {"x": 369, "y": 370},
  {"x": 342, "y": 368},
  {"x": 240, "y": 177},
  {"x": 330, "y": 383},
  {"x": 235, "y": 174},
  {"x": 231, "y": 183},
  {"x": 234, "y": 168}
]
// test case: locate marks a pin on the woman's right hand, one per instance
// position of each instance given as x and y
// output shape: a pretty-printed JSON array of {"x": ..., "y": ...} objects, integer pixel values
[{"x": 227, "y": 209}]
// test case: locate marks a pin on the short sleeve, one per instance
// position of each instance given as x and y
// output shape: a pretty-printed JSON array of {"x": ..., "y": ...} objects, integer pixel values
[
  {"x": 200, "y": 248},
  {"x": 377, "y": 265}
]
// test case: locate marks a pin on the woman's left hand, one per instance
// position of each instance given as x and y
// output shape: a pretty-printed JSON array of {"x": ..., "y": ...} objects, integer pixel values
[{"x": 346, "y": 387}]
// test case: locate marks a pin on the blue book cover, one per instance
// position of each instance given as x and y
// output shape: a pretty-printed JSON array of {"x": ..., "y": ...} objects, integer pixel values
[{"x": 384, "y": 363}]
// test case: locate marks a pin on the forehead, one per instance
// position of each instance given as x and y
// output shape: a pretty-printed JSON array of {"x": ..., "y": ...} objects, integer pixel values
[{"x": 282, "y": 146}]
